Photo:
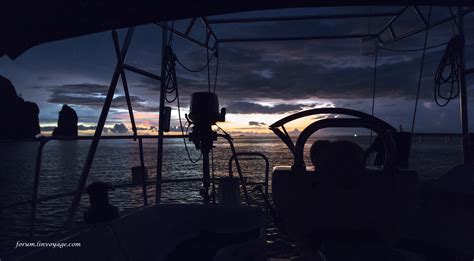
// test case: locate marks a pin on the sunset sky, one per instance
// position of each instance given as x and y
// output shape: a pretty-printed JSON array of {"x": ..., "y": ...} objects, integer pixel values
[{"x": 258, "y": 82}]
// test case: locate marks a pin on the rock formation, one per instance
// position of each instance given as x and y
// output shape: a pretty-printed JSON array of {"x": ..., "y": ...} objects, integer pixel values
[
  {"x": 18, "y": 118},
  {"x": 67, "y": 122}
]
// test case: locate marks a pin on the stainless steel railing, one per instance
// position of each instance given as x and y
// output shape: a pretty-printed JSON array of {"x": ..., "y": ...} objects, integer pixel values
[{"x": 44, "y": 140}]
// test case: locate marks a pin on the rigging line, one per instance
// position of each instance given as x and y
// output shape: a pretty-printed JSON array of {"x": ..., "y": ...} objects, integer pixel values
[
  {"x": 454, "y": 19},
  {"x": 170, "y": 71},
  {"x": 194, "y": 70},
  {"x": 208, "y": 71},
  {"x": 217, "y": 70},
  {"x": 213, "y": 177},
  {"x": 170, "y": 75},
  {"x": 421, "y": 73},
  {"x": 170, "y": 38},
  {"x": 171, "y": 78},
  {"x": 450, "y": 62},
  {"x": 225, "y": 132},
  {"x": 182, "y": 131},
  {"x": 374, "y": 84},
  {"x": 374, "y": 74},
  {"x": 413, "y": 50}
]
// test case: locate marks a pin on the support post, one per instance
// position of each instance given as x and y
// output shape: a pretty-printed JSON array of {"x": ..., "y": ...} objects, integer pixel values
[
  {"x": 142, "y": 165},
  {"x": 34, "y": 195},
  {"x": 463, "y": 96},
  {"x": 206, "y": 177},
  {"x": 98, "y": 132},
  {"x": 159, "y": 159},
  {"x": 120, "y": 62},
  {"x": 237, "y": 165}
]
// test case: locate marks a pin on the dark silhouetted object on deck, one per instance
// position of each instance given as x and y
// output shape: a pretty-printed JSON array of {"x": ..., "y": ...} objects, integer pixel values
[
  {"x": 471, "y": 147},
  {"x": 203, "y": 113},
  {"x": 18, "y": 118},
  {"x": 340, "y": 161},
  {"x": 318, "y": 153},
  {"x": 403, "y": 144},
  {"x": 100, "y": 210},
  {"x": 67, "y": 123}
]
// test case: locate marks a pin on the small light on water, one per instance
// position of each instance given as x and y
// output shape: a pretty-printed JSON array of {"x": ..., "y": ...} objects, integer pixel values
[{"x": 355, "y": 135}]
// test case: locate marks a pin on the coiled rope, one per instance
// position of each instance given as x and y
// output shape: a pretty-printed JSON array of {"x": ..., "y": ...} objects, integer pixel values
[{"x": 448, "y": 72}]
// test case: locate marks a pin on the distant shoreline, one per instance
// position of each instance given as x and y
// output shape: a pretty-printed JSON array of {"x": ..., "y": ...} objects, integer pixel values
[{"x": 236, "y": 136}]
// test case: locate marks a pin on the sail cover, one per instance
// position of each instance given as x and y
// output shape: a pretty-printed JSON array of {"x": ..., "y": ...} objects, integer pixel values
[{"x": 24, "y": 24}]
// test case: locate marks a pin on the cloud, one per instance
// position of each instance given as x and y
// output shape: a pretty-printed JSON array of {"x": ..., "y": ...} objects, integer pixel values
[
  {"x": 47, "y": 128},
  {"x": 79, "y": 127},
  {"x": 251, "y": 73},
  {"x": 256, "y": 123},
  {"x": 83, "y": 128},
  {"x": 119, "y": 129},
  {"x": 249, "y": 107},
  {"x": 93, "y": 96},
  {"x": 306, "y": 77}
]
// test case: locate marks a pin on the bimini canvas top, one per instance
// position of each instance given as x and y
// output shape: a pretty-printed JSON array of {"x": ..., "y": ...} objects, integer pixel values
[{"x": 24, "y": 24}]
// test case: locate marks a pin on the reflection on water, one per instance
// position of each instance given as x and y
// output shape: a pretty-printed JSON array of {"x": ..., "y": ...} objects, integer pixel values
[{"x": 63, "y": 161}]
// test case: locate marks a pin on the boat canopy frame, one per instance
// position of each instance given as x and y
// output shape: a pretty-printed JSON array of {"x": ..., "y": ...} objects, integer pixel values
[{"x": 212, "y": 42}]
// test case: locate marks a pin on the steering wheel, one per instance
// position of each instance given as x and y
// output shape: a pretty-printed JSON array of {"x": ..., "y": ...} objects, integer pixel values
[{"x": 361, "y": 120}]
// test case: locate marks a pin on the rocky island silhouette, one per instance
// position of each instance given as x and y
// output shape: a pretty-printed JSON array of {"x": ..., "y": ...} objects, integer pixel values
[{"x": 19, "y": 117}]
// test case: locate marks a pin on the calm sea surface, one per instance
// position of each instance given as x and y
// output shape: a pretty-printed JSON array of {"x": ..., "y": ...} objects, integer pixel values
[{"x": 63, "y": 161}]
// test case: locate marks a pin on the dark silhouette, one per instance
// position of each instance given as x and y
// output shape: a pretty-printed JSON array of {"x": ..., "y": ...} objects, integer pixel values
[
  {"x": 471, "y": 147},
  {"x": 340, "y": 161},
  {"x": 338, "y": 155},
  {"x": 19, "y": 118},
  {"x": 319, "y": 153},
  {"x": 67, "y": 122},
  {"x": 402, "y": 143},
  {"x": 100, "y": 210}
]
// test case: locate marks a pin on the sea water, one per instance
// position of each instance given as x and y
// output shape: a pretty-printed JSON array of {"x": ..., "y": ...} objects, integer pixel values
[{"x": 62, "y": 163}]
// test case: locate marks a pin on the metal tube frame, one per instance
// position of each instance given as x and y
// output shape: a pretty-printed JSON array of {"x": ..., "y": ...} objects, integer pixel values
[
  {"x": 463, "y": 97},
  {"x": 36, "y": 178},
  {"x": 159, "y": 158},
  {"x": 98, "y": 132},
  {"x": 142, "y": 165},
  {"x": 118, "y": 73},
  {"x": 419, "y": 30},
  {"x": 44, "y": 140},
  {"x": 237, "y": 164},
  {"x": 34, "y": 195},
  {"x": 296, "y": 18},
  {"x": 121, "y": 67},
  {"x": 295, "y": 38},
  {"x": 186, "y": 36},
  {"x": 253, "y": 156}
]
